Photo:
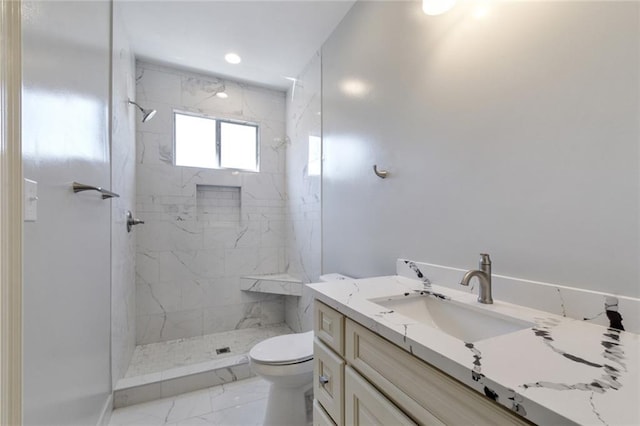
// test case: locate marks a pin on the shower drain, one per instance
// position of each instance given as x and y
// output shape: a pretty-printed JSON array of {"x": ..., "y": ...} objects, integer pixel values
[{"x": 224, "y": 350}]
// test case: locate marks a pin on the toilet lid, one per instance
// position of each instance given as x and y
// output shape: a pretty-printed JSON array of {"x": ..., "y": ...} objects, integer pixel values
[{"x": 286, "y": 349}]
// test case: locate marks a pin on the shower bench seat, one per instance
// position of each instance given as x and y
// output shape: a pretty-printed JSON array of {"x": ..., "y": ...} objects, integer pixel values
[{"x": 283, "y": 284}]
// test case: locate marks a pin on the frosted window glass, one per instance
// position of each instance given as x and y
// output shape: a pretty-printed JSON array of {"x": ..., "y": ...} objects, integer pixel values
[
  {"x": 315, "y": 152},
  {"x": 238, "y": 146},
  {"x": 195, "y": 141}
]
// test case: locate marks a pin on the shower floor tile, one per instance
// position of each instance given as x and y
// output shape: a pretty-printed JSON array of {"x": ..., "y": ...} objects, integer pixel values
[{"x": 157, "y": 357}]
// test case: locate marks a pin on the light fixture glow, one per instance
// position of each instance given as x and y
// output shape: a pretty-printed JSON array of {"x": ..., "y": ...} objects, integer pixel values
[
  {"x": 222, "y": 95},
  {"x": 232, "y": 58},
  {"x": 437, "y": 7},
  {"x": 354, "y": 87},
  {"x": 481, "y": 10}
]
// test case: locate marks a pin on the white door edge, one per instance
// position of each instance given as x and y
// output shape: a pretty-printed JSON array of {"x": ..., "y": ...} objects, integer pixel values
[{"x": 10, "y": 214}]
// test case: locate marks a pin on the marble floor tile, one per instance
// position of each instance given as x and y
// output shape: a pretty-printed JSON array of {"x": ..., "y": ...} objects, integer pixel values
[
  {"x": 238, "y": 403},
  {"x": 147, "y": 414},
  {"x": 238, "y": 393},
  {"x": 189, "y": 405},
  {"x": 249, "y": 414}
]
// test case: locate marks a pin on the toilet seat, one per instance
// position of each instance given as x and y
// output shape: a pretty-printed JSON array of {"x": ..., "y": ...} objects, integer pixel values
[{"x": 284, "y": 350}]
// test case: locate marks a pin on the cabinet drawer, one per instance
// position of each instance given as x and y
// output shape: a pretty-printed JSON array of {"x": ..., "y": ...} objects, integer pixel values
[
  {"x": 320, "y": 417},
  {"x": 364, "y": 405},
  {"x": 328, "y": 380},
  {"x": 422, "y": 391},
  {"x": 329, "y": 326}
]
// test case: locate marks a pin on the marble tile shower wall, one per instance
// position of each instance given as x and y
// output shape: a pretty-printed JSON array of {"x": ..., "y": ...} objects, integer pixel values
[
  {"x": 304, "y": 196},
  {"x": 189, "y": 259}
]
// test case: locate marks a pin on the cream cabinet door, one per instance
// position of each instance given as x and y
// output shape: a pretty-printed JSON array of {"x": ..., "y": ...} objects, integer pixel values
[
  {"x": 320, "y": 417},
  {"x": 364, "y": 405},
  {"x": 328, "y": 380},
  {"x": 329, "y": 327}
]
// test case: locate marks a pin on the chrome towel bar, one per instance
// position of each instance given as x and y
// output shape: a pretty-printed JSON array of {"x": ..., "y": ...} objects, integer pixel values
[{"x": 79, "y": 187}]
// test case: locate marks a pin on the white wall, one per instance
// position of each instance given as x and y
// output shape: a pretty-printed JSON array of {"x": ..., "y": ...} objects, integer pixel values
[
  {"x": 188, "y": 261},
  {"x": 123, "y": 173},
  {"x": 303, "y": 192},
  {"x": 66, "y": 64},
  {"x": 515, "y": 135}
]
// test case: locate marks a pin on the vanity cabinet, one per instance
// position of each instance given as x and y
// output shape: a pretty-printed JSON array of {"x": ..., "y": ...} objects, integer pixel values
[
  {"x": 369, "y": 380},
  {"x": 364, "y": 405}
]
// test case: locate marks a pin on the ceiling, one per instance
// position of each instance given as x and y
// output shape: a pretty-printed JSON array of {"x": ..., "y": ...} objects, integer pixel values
[{"x": 275, "y": 39}]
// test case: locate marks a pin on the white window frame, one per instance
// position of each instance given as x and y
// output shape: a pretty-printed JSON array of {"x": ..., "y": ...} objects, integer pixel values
[{"x": 218, "y": 142}]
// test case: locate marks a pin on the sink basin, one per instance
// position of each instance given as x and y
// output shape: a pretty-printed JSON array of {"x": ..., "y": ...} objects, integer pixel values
[{"x": 463, "y": 321}]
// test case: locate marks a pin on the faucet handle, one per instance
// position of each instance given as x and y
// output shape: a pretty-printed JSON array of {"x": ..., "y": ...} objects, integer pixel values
[{"x": 485, "y": 259}]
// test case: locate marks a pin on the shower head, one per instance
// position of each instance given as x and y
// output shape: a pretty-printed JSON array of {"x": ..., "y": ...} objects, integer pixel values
[{"x": 147, "y": 114}]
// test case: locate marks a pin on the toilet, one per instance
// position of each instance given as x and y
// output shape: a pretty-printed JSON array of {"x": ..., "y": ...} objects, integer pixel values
[{"x": 287, "y": 363}]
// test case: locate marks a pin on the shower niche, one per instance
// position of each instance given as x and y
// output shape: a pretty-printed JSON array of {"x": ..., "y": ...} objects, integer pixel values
[{"x": 218, "y": 205}]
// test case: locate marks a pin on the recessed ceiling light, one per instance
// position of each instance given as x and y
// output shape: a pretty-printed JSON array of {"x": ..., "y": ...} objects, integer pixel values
[
  {"x": 222, "y": 95},
  {"x": 233, "y": 58}
]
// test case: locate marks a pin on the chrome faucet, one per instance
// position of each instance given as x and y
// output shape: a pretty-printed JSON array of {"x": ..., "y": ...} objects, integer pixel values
[{"x": 484, "y": 276}]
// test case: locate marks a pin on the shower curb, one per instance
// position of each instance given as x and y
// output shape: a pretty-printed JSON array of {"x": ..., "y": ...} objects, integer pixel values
[{"x": 179, "y": 380}]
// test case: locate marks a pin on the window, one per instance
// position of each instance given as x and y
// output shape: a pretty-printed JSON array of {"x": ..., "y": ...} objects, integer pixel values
[
  {"x": 213, "y": 143},
  {"x": 195, "y": 141}
]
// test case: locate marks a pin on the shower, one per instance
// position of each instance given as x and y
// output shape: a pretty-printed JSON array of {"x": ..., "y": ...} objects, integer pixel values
[
  {"x": 210, "y": 234},
  {"x": 216, "y": 268},
  {"x": 147, "y": 114}
]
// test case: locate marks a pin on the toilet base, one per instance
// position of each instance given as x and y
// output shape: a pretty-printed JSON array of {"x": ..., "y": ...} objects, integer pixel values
[{"x": 286, "y": 406}]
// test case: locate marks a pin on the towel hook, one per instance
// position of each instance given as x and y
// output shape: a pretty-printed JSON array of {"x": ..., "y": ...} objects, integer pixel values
[{"x": 380, "y": 173}]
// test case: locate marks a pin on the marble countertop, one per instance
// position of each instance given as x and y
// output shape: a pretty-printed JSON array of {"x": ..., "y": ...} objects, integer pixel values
[{"x": 559, "y": 371}]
